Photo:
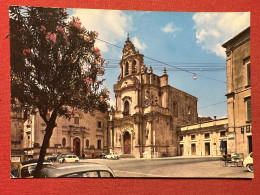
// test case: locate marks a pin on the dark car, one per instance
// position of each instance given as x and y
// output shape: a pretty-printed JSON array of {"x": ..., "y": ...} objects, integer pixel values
[
  {"x": 101, "y": 156},
  {"x": 53, "y": 158}
]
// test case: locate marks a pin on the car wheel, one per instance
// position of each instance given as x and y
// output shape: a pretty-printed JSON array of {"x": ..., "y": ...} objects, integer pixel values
[
  {"x": 76, "y": 161},
  {"x": 250, "y": 168}
]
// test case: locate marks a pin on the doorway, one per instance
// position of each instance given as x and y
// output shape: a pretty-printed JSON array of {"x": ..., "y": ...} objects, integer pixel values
[
  {"x": 181, "y": 150},
  {"x": 207, "y": 149},
  {"x": 127, "y": 143},
  {"x": 76, "y": 146},
  {"x": 250, "y": 144},
  {"x": 193, "y": 149}
]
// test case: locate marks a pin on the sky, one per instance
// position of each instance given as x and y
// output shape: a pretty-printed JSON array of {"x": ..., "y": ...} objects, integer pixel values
[{"x": 180, "y": 40}]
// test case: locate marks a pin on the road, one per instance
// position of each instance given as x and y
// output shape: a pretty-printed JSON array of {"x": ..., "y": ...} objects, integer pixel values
[{"x": 174, "y": 167}]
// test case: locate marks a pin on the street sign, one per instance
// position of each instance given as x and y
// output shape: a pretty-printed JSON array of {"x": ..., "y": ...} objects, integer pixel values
[
  {"x": 248, "y": 128},
  {"x": 242, "y": 130}
]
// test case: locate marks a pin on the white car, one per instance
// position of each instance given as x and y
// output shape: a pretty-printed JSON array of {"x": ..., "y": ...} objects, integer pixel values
[
  {"x": 248, "y": 162},
  {"x": 77, "y": 170},
  {"x": 69, "y": 158},
  {"x": 112, "y": 156}
]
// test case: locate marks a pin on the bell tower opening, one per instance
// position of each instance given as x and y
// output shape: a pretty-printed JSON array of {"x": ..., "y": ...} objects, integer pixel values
[
  {"x": 126, "y": 108},
  {"x": 126, "y": 69},
  {"x": 134, "y": 67}
]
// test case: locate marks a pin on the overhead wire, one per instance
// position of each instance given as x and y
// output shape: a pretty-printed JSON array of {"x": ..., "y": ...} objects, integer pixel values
[{"x": 158, "y": 61}]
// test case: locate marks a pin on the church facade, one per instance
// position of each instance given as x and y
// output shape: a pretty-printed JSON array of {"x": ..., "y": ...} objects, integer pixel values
[{"x": 148, "y": 110}]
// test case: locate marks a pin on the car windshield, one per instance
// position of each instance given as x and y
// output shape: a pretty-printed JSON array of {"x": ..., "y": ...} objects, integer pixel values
[
  {"x": 89, "y": 174},
  {"x": 28, "y": 171}
]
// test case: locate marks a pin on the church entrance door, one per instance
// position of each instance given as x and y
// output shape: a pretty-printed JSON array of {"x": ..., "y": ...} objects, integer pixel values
[
  {"x": 76, "y": 146},
  {"x": 127, "y": 143}
]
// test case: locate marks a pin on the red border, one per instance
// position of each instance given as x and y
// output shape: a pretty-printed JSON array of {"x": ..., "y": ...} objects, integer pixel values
[{"x": 128, "y": 186}]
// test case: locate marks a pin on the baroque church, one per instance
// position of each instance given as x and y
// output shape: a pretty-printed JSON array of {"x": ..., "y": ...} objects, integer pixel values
[{"x": 148, "y": 110}]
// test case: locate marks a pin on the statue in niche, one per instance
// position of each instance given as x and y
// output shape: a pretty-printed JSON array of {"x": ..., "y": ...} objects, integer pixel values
[
  {"x": 146, "y": 132},
  {"x": 146, "y": 97}
]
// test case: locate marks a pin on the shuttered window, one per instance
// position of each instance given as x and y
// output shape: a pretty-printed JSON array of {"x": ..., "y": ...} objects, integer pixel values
[
  {"x": 248, "y": 109},
  {"x": 248, "y": 74}
]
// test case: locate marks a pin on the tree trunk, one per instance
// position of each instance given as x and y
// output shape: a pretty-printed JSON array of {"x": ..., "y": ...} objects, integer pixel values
[{"x": 45, "y": 144}]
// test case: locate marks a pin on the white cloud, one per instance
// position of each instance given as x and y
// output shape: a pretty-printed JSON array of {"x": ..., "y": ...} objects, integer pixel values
[
  {"x": 111, "y": 25},
  {"x": 138, "y": 44},
  {"x": 214, "y": 29},
  {"x": 170, "y": 28}
]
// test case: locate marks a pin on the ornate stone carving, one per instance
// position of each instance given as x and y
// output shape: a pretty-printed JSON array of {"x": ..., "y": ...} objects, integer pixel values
[{"x": 143, "y": 69}]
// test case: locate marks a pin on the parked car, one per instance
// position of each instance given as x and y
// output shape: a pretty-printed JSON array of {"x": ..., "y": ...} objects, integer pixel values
[
  {"x": 101, "y": 156},
  {"x": 52, "y": 158},
  {"x": 69, "y": 158},
  {"x": 112, "y": 156},
  {"x": 248, "y": 162},
  {"x": 79, "y": 170},
  {"x": 27, "y": 169}
]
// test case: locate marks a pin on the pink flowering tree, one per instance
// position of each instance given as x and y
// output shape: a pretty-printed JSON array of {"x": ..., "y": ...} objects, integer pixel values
[{"x": 55, "y": 67}]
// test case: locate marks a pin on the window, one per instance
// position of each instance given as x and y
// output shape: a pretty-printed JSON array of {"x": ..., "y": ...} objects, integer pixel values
[
  {"x": 193, "y": 137},
  {"x": 76, "y": 120},
  {"x": 99, "y": 124},
  {"x": 246, "y": 62},
  {"x": 248, "y": 108},
  {"x": 134, "y": 67},
  {"x": 126, "y": 68},
  {"x": 105, "y": 174},
  {"x": 64, "y": 142},
  {"x": 99, "y": 144},
  {"x": 126, "y": 108},
  {"x": 222, "y": 133},
  {"x": 248, "y": 74},
  {"x": 206, "y": 136},
  {"x": 87, "y": 143},
  {"x": 181, "y": 138}
]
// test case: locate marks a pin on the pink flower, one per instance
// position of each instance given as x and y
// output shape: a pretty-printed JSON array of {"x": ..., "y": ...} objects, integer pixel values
[
  {"x": 26, "y": 52},
  {"x": 59, "y": 28},
  {"x": 43, "y": 28},
  {"x": 101, "y": 98},
  {"x": 96, "y": 51},
  {"x": 89, "y": 88},
  {"x": 96, "y": 61},
  {"x": 99, "y": 70},
  {"x": 52, "y": 37},
  {"x": 86, "y": 38},
  {"x": 87, "y": 80}
]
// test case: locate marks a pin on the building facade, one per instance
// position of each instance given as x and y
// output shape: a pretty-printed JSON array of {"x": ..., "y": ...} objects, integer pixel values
[
  {"x": 203, "y": 139},
  {"x": 147, "y": 110},
  {"x": 83, "y": 133},
  {"x": 239, "y": 93},
  {"x": 17, "y": 139}
]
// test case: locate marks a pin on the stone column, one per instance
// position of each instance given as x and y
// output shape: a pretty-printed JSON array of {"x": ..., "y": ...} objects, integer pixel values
[
  {"x": 123, "y": 70},
  {"x": 136, "y": 96},
  {"x": 116, "y": 103},
  {"x": 119, "y": 103}
]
